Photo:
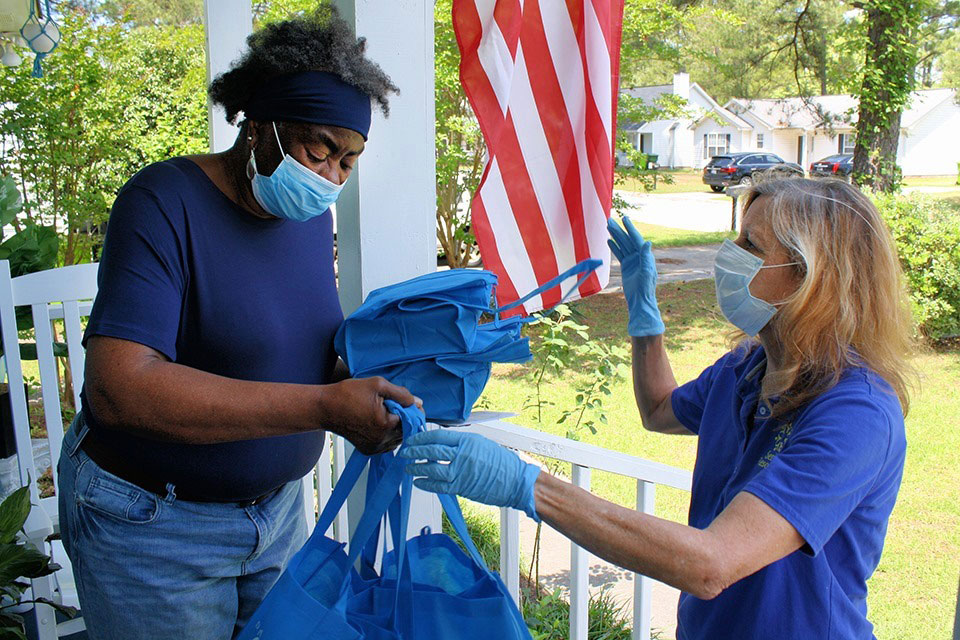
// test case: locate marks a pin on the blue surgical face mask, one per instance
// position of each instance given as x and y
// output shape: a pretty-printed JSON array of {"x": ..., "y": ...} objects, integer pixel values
[
  {"x": 734, "y": 269},
  {"x": 292, "y": 191}
]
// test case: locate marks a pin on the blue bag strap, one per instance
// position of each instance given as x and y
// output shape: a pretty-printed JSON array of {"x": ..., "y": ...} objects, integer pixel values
[
  {"x": 384, "y": 494},
  {"x": 586, "y": 267},
  {"x": 452, "y": 508},
  {"x": 346, "y": 482}
]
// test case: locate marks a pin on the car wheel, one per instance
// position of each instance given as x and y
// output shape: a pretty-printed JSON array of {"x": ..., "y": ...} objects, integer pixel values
[
  {"x": 717, "y": 188},
  {"x": 746, "y": 181}
]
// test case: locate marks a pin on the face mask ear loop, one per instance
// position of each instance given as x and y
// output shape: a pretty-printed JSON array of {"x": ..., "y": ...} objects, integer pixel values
[{"x": 282, "y": 153}]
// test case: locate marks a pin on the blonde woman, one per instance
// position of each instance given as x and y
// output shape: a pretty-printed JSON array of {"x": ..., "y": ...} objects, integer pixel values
[{"x": 801, "y": 433}]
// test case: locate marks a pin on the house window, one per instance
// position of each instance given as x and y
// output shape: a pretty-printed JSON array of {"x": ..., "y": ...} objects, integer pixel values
[
  {"x": 759, "y": 141},
  {"x": 846, "y": 143},
  {"x": 715, "y": 144},
  {"x": 633, "y": 137}
]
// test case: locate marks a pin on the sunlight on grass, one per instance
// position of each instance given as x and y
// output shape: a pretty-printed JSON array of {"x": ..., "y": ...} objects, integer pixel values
[
  {"x": 914, "y": 590},
  {"x": 684, "y": 181},
  {"x": 930, "y": 181},
  {"x": 668, "y": 237}
]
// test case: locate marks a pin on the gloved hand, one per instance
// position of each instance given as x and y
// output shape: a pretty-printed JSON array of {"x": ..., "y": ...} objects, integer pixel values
[
  {"x": 638, "y": 269},
  {"x": 479, "y": 469}
]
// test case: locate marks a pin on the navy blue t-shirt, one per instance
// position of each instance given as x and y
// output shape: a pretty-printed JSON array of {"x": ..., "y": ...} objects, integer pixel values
[
  {"x": 832, "y": 469},
  {"x": 189, "y": 273}
]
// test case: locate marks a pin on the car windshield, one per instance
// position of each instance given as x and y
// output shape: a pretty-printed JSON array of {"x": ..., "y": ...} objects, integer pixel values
[
  {"x": 836, "y": 158},
  {"x": 720, "y": 161}
]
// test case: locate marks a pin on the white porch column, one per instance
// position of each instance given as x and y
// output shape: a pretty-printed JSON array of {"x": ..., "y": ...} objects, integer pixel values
[
  {"x": 227, "y": 23},
  {"x": 386, "y": 221}
]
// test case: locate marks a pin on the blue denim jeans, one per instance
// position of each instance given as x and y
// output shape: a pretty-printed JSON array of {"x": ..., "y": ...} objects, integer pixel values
[{"x": 158, "y": 568}]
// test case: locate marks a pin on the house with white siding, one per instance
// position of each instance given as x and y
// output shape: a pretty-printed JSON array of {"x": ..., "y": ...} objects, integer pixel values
[
  {"x": 805, "y": 130},
  {"x": 677, "y": 141},
  {"x": 797, "y": 129}
]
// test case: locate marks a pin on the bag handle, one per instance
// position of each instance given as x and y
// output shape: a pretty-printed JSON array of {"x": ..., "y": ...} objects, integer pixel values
[
  {"x": 586, "y": 267},
  {"x": 348, "y": 479}
]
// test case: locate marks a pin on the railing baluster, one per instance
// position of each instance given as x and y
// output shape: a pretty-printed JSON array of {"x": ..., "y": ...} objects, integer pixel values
[
  {"x": 579, "y": 571},
  {"x": 642, "y": 585},
  {"x": 510, "y": 551},
  {"x": 325, "y": 479},
  {"x": 341, "y": 523}
]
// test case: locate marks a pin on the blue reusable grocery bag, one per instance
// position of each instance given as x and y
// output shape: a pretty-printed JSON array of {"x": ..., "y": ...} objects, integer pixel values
[
  {"x": 428, "y": 587},
  {"x": 425, "y": 334}
]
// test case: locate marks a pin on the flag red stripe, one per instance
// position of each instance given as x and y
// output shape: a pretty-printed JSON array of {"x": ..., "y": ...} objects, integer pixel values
[
  {"x": 599, "y": 149},
  {"x": 468, "y": 29},
  {"x": 557, "y": 127},
  {"x": 506, "y": 291},
  {"x": 526, "y": 210},
  {"x": 509, "y": 17}
]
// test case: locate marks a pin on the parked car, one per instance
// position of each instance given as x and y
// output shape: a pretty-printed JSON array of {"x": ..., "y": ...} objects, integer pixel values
[
  {"x": 739, "y": 168},
  {"x": 839, "y": 165}
]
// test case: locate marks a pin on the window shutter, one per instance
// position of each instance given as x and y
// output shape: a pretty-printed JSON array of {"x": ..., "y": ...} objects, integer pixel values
[
  {"x": 704, "y": 146},
  {"x": 728, "y": 142},
  {"x": 840, "y": 147}
]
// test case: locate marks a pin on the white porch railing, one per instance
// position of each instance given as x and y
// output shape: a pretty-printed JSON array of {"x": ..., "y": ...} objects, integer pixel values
[{"x": 583, "y": 458}]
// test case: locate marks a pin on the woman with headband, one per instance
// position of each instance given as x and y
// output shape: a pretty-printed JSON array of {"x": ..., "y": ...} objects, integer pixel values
[
  {"x": 210, "y": 372},
  {"x": 800, "y": 427}
]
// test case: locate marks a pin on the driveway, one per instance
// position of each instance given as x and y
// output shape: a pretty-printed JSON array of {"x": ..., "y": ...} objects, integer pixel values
[{"x": 695, "y": 211}]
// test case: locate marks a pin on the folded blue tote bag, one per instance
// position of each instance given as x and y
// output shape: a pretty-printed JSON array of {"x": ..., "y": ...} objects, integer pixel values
[
  {"x": 426, "y": 334},
  {"x": 427, "y": 589}
]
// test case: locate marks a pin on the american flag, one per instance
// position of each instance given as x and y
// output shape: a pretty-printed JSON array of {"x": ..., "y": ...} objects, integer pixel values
[{"x": 542, "y": 77}]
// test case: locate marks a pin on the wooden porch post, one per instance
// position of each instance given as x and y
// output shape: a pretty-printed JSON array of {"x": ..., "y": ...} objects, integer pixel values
[
  {"x": 386, "y": 215},
  {"x": 226, "y": 24}
]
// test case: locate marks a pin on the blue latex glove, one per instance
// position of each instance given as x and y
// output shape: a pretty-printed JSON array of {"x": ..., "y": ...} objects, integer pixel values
[
  {"x": 479, "y": 469},
  {"x": 638, "y": 269}
]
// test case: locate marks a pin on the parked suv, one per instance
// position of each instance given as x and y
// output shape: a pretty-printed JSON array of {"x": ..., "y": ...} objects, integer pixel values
[
  {"x": 739, "y": 168},
  {"x": 839, "y": 165}
]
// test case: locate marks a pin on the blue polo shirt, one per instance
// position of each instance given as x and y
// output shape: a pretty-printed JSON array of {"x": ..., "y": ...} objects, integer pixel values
[
  {"x": 831, "y": 468},
  {"x": 190, "y": 274}
]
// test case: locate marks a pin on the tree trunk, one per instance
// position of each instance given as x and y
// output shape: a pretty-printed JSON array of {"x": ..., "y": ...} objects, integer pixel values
[{"x": 887, "y": 82}]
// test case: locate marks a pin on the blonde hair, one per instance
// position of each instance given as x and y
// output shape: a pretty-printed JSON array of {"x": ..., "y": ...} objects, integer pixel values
[{"x": 851, "y": 307}]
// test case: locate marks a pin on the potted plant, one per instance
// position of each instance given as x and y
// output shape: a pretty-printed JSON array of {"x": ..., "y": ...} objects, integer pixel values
[{"x": 20, "y": 560}]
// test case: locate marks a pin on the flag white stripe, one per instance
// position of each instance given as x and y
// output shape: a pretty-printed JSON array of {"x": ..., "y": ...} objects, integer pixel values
[
  {"x": 565, "y": 52},
  {"x": 541, "y": 168},
  {"x": 495, "y": 55},
  {"x": 513, "y": 253},
  {"x": 598, "y": 66}
]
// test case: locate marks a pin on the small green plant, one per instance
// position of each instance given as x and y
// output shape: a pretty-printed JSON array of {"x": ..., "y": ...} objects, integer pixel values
[
  {"x": 20, "y": 559},
  {"x": 547, "y": 614},
  {"x": 563, "y": 344}
]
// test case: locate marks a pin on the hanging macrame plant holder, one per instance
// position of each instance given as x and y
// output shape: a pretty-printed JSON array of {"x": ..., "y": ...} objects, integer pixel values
[{"x": 42, "y": 35}]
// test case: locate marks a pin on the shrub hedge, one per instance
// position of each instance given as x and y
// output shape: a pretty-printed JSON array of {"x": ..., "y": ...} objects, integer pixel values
[{"x": 927, "y": 235}]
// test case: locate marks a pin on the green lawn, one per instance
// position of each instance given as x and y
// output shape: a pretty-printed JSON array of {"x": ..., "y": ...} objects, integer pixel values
[
  {"x": 684, "y": 181},
  {"x": 914, "y": 591},
  {"x": 930, "y": 181},
  {"x": 669, "y": 237}
]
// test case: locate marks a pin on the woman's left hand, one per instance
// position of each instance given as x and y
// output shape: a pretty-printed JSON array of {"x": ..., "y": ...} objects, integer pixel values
[{"x": 479, "y": 469}]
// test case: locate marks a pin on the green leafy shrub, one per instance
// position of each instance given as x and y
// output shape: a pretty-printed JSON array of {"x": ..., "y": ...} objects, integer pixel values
[
  {"x": 927, "y": 235},
  {"x": 18, "y": 560}
]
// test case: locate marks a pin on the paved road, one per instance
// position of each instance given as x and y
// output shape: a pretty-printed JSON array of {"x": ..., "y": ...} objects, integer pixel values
[{"x": 673, "y": 264}]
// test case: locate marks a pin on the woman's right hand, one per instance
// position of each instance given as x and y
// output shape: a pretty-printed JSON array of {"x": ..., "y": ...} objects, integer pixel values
[
  {"x": 638, "y": 271},
  {"x": 354, "y": 409}
]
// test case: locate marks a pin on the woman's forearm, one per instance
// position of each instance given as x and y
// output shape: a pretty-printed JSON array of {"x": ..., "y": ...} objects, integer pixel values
[
  {"x": 672, "y": 553},
  {"x": 653, "y": 382},
  {"x": 745, "y": 537}
]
